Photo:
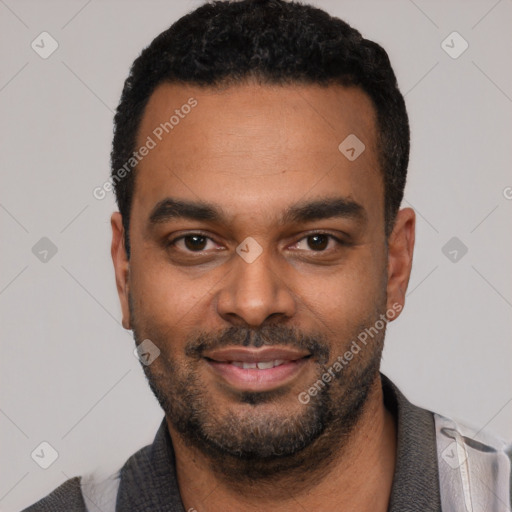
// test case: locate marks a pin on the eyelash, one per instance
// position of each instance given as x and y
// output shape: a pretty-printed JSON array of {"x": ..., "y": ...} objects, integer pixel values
[{"x": 339, "y": 242}]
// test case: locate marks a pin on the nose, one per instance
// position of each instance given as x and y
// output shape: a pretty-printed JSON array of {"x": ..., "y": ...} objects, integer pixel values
[{"x": 254, "y": 292}]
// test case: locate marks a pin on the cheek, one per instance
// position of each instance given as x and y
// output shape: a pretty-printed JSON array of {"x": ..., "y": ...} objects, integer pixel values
[
  {"x": 167, "y": 302},
  {"x": 347, "y": 295},
  {"x": 163, "y": 299}
]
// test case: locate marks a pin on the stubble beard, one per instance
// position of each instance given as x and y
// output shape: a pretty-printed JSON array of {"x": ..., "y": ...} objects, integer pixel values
[{"x": 245, "y": 448}]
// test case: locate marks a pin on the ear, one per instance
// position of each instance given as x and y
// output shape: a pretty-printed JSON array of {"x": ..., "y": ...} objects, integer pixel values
[
  {"x": 121, "y": 265},
  {"x": 400, "y": 253}
]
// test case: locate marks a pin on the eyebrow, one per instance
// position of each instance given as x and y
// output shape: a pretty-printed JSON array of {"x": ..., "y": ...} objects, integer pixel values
[
  {"x": 169, "y": 209},
  {"x": 326, "y": 208},
  {"x": 307, "y": 211}
]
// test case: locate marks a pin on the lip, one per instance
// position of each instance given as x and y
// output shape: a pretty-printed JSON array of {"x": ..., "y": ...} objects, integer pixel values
[
  {"x": 242, "y": 379},
  {"x": 251, "y": 355}
]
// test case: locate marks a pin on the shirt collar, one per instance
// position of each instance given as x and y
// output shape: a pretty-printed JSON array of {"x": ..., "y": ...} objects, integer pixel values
[{"x": 416, "y": 478}]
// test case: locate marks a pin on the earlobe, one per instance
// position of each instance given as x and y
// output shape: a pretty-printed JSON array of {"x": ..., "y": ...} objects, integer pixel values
[
  {"x": 400, "y": 256},
  {"x": 121, "y": 266}
]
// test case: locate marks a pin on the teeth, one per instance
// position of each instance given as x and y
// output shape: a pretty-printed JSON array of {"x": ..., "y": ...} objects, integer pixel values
[{"x": 260, "y": 365}]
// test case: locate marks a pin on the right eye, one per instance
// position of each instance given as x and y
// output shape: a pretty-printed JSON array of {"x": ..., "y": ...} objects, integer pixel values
[{"x": 194, "y": 242}]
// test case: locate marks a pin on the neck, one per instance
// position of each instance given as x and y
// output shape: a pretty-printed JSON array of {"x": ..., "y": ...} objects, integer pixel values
[{"x": 357, "y": 476}]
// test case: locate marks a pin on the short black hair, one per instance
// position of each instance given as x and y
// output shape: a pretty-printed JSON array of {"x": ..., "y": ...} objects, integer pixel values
[{"x": 277, "y": 42}]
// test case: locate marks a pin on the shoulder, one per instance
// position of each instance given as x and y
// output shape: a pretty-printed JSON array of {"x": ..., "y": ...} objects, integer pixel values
[
  {"x": 474, "y": 465},
  {"x": 98, "y": 489},
  {"x": 91, "y": 491},
  {"x": 67, "y": 497},
  {"x": 468, "y": 442}
]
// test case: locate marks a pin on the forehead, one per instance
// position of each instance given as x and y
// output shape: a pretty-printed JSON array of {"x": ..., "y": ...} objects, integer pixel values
[{"x": 248, "y": 145}]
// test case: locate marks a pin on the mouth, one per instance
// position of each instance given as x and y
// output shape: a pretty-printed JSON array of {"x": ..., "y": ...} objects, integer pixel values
[{"x": 257, "y": 369}]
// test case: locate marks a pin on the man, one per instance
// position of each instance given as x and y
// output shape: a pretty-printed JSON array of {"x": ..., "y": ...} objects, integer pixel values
[{"x": 259, "y": 161}]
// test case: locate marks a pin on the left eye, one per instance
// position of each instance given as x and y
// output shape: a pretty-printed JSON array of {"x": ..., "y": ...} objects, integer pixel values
[{"x": 316, "y": 242}]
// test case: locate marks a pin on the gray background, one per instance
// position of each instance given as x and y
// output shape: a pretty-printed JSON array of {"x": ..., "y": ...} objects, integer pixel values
[{"x": 68, "y": 373}]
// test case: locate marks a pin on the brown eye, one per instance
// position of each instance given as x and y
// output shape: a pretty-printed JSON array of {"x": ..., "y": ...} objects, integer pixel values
[
  {"x": 195, "y": 242},
  {"x": 318, "y": 242},
  {"x": 192, "y": 243}
]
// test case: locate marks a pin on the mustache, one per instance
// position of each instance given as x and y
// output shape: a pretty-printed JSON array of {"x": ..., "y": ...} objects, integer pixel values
[{"x": 271, "y": 335}]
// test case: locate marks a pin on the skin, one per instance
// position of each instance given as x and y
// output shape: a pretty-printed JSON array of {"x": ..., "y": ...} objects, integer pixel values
[{"x": 254, "y": 151}]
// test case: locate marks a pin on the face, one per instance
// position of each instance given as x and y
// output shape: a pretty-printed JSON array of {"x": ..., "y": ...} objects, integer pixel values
[{"x": 258, "y": 257}]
